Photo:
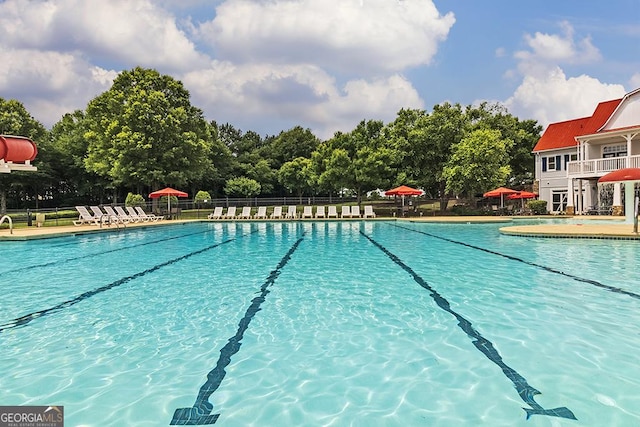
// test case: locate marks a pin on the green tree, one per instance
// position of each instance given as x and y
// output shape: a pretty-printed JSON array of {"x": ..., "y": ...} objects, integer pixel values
[
  {"x": 290, "y": 144},
  {"x": 296, "y": 175},
  {"x": 75, "y": 184},
  {"x": 425, "y": 142},
  {"x": 242, "y": 187},
  {"x": 16, "y": 120},
  {"x": 361, "y": 160},
  {"x": 478, "y": 163},
  {"x": 144, "y": 131}
]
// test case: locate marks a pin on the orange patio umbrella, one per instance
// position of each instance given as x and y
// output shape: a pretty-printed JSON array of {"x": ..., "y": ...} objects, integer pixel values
[
  {"x": 168, "y": 192},
  {"x": 403, "y": 190},
  {"x": 500, "y": 192},
  {"x": 522, "y": 195}
]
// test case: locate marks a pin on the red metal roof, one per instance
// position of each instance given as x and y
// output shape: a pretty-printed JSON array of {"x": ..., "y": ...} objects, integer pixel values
[
  {"x": 627, "y": 174},
  {"x": 563, "y": 134}
]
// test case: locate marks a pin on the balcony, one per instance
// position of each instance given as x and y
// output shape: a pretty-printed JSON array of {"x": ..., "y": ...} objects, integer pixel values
[{"x": 599, "y": 167}]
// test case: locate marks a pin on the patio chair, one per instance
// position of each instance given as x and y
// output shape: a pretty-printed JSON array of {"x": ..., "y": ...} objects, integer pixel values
[
  {"x": 103, "y": 217},
  {"x": 368, "y": 212},
  {"x": 122, "y": 214},
  {"x": 216, "y": 214},
  {"x": 320, "y": 212},
  {"x": 86, "y": 217},
  {"x": 114, "y": 216},
  {"x": 262, "y": 213},
  {"x": 292, "y": 212},
  {"x": 246, "y": 213},
  {"x": 277, "y": 212},
  {"x": 307, "y": 212},
  {"x": 346, "y": 212},
  {"x": 149, "y": 217},
  {"x": 355, "y": 211},
  {"x": 133, "y": 214},
  {"x": 231, "y": 212},
  {"x": 332, "y": 212}
]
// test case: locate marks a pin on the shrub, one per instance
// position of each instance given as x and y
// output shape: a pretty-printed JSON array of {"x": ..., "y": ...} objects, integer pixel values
[
  {"x": 537, "y": 207},
  {"x": 202, "y": 198},
  {"x": 134, "y": 200}
]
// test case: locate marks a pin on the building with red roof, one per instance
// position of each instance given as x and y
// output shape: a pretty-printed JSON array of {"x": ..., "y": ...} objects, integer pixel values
[{"x": 572, "y": 155}]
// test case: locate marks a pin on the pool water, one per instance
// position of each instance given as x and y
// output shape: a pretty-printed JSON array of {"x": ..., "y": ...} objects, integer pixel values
[{"x": 322, "y": 324}]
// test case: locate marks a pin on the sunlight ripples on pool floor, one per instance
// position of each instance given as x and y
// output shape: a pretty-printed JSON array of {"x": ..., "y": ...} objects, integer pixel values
[{"x": 357, "y": 323}]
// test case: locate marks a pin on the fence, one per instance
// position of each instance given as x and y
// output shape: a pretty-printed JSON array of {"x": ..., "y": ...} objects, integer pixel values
[{"x": 55, "y": 216}]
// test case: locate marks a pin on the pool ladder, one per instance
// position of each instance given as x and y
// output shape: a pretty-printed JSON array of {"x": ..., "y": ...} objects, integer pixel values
[{"x": 8, "y": 218}]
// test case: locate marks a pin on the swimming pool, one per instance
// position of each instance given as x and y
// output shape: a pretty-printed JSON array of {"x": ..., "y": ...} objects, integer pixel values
[{"x": 322, "y": 323}]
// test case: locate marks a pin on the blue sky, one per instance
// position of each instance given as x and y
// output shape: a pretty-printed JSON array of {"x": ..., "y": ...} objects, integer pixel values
[{"x": 269, "y": 65}]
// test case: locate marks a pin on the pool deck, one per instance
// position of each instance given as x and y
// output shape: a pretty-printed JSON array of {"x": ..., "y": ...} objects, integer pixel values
[{"x": 584, "y": 228}]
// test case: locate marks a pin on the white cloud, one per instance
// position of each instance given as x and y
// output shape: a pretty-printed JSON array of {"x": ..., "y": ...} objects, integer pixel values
[
  {"x": 366, "y": 37},
  {"x": 50, "y": 84},
  {"x": 548, "y": 50},
  {"x": 297, "y": 93},
  {"x": 554, "y": 97},
  {"x": 127, "y": 31},
  {"x": 546, "y": 93},
  {"x": 634, "y": 81}
]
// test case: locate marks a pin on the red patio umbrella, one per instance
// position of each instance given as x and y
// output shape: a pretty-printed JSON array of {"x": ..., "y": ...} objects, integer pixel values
[
  {"x": 403, "y": 190},
  {"x": 500, "y": 192},
  {"x": 168, "y": 192},
  {"x": 522, "y": 195}
]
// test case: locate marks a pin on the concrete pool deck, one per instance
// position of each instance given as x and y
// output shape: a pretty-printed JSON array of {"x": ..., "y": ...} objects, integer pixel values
[{"x": 581, "y": 227}]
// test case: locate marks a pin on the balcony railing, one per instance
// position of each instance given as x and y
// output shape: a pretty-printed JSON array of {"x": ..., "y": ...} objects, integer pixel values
[{"x": 599, "y": 167}]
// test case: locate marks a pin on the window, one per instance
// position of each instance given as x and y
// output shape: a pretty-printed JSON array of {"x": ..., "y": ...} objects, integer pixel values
[
  {"x": 618, "y": 150},
  {"x": 551, "y": 163}
]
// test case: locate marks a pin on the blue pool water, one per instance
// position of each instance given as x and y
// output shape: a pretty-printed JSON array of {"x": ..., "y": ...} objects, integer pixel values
[{"x": 322, "y": 324}]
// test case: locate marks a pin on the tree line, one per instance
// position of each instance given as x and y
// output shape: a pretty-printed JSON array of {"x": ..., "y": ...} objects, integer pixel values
[{"x": 143, "y": 134}]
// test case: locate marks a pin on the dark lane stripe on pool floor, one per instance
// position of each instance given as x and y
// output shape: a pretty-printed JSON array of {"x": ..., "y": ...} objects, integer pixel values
[
  {"x": 533, "y": 264},
  {"x": 200, "y": 412},
  {"x": 62, "y": 261},
  {"x": 525, "y": 391},
  {"x": 27, "y": 318}
]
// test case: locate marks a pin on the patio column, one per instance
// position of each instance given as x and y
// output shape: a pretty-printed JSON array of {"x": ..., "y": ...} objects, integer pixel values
[
  {"x": 617, "y": 200},
  {"x": 570, "y": 209},
  {"x": 580, "y": 202}
]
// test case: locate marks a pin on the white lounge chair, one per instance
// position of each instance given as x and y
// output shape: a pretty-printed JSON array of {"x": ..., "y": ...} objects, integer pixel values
[
  {"x": 262, "y": 213},
  {"x": 103, "y": 217},
  {"x": 346, "y": 212},
  {"x": 231, "y": 212},
  {"x": 307, "y": 212},
  {"x": 133, "y": 214},
  {"x": 246, "y": 213},
  {"x": 277, "y": 212},
  {"x": 320, "y": 212},
  {"x": 149, "y": 217},
  {"x": 122, "y": 215},
  {"x": 332, "y": 212},
  {"x": 368, "y": 212},
  {"x": 114, "y": 216},
  {"x": 216, "y": 214},
  {"x": 86, "y": 217},
  {"x": 355, "y": 211},
  {"x": 292, "y": 212}
]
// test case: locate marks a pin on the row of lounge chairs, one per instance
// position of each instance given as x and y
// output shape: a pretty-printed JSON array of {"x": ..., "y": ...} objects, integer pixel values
[
  {"x": 115, "y": 215},
  {"x": 292, "y": 212}
]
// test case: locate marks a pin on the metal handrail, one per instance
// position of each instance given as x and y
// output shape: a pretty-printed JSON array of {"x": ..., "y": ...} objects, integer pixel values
[{"x": 9, "y": 220}]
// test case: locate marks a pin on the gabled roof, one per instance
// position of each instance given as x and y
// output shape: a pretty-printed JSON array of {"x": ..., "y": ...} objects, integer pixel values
[{"x": 563, "y": 134}]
